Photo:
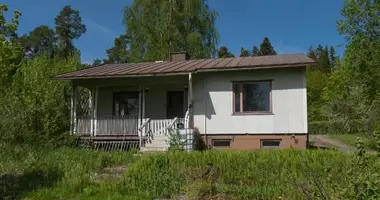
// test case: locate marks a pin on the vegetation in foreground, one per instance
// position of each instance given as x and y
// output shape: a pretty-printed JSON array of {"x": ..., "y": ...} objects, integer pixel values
[{"x": 69, "y": 173}]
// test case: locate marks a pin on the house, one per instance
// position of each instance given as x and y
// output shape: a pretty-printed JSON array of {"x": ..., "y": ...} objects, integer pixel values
[{"x": 237, "y": 103}]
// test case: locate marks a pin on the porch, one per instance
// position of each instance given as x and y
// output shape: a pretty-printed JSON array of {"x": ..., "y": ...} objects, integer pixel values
[{"x": 130, "y": 109}]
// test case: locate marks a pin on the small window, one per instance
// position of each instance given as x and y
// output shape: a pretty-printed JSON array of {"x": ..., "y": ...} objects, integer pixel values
[
  {"x": 126, "y": 103},
  {"x": 221, "y": 143},
  {"x": 270, "y": 143},
  {"x": 252, "y": 97}
]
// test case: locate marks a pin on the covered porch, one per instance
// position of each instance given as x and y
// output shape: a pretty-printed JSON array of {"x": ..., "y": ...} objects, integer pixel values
[{"x": 135, "y": 108}]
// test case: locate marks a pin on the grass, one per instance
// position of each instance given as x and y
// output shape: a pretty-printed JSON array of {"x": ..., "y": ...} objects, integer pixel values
[
  {"x": 350, "y": 139},
  {"x": 67, "y": 173}
]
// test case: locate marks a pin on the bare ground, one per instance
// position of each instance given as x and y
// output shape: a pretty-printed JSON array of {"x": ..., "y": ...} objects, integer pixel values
[{"x": 323, "y": 141}]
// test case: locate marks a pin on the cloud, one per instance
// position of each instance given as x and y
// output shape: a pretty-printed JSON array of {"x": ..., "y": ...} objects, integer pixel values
[
  {"x": 91, "y": 24},
  {"x": 282, "y": 48}
]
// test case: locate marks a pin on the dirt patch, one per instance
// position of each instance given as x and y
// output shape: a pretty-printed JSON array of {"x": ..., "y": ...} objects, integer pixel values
[{"x": 323, "y": 141}]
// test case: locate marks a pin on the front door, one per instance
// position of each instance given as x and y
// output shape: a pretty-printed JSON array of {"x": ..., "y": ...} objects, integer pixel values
[{"x": 175, "y": 104}]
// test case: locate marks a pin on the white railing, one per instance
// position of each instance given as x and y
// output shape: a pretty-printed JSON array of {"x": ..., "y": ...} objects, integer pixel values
[
  {"x": 144, "y": 131},
  {"x": 161, "y": 126},
  {"x": 83, "y": 125}
]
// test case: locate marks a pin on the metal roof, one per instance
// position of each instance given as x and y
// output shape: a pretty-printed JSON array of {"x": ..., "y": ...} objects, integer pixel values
[{"x": 187, "y": 66}]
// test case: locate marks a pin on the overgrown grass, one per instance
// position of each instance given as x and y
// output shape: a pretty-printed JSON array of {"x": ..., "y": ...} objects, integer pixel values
[
  {"x": 289, "y": 174},
  {"x": 350, "y": 139},
  {"x": 47, "y": 173},
  {"x": 68, "y": 174}
]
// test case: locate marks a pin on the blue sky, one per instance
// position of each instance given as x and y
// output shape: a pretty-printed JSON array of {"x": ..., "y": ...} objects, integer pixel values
[{"x": 291, "y": 25}]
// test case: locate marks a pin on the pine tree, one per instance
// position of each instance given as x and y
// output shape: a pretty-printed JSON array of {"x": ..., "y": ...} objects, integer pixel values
[
  {"x": 244, "y": 52},
  {"x": 311, "y": 53},
  {"x": 68, "y": 27},
  {"x": 41, "y": 40},
  {"x": 266, "y": 48},
  {"x": 255, "y": 50},
  {"x": 224, "y": 53},
  {"x": 120, "y": 52},
  {"x": 332, "y": 56}
]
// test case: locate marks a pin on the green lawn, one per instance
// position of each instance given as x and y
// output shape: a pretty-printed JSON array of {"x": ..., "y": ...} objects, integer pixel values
[
  {"x": 350, "y": 139},
  {"x": 69, "y": 173}
]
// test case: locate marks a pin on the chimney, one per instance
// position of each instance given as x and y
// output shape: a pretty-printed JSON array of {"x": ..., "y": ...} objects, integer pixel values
[{"x": 179, "y": 56}]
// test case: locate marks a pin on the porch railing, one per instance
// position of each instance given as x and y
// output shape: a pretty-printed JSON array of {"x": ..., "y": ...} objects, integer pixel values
[{"x": 108, "y": 125}]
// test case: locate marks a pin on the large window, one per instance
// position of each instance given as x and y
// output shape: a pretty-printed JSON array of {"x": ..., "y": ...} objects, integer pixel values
[
  {"x": 252, "y": 97},
  {"x": 126, "y": 103}
]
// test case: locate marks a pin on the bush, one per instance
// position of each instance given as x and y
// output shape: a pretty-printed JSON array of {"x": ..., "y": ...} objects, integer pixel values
[{"x": 338, "y": 127}]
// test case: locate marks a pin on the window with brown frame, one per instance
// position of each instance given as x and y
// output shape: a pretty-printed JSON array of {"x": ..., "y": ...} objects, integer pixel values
[{"x": 252, "y": 97}]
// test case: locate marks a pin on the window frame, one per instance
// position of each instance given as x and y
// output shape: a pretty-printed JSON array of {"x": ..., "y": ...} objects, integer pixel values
[
  {"x": 224, "y": 140},
  {"x": 119, "y": 93},
  {"x": 241, "y": 83},
  {"x": 270, "y": 147}
]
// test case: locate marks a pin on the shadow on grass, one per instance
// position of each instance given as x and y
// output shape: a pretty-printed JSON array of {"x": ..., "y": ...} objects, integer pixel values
[{"x": 13, "y": 186}]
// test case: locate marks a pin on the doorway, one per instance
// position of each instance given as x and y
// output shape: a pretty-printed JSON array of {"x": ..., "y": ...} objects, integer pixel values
[{"x": 175, "y": 104}]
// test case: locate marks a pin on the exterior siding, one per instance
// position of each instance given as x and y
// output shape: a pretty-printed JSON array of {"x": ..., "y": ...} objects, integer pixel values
[{"x": 213, "y": 99}]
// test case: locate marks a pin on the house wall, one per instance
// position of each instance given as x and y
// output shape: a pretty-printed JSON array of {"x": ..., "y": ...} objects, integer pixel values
[{"x": 213, "y": 103}]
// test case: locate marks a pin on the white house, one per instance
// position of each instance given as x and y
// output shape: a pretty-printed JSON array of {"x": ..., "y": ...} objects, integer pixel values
[{"x": 238, "y": 103}]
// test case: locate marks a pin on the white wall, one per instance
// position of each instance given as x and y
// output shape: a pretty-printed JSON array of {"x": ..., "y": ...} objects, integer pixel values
[{"x": 213, "y": 97}]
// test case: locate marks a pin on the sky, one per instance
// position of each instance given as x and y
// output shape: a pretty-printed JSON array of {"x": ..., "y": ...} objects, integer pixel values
[{"x": 291, "y": 25}]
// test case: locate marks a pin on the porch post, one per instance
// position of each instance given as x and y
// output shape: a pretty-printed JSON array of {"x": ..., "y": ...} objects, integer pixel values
[
  {"x": 190, "y": 101},
  {"x": 96, "y": 110},
  {"x": 73, "y": 120},
  {"x": 91, "y": 105}
]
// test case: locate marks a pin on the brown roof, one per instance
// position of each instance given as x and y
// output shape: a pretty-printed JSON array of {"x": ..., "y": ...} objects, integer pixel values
[{"x": 181, "y": 67}]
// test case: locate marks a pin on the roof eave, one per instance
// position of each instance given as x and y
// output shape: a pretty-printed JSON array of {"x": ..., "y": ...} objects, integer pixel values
[{"x": 184, "y": 72}]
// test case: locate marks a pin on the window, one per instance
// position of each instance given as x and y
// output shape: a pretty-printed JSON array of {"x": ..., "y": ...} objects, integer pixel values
[
  {"x": 270, "y": 143},
  {"x": 126, "y": 103},
  {"x": 221, "y": 143},
  {"x": 252, "y": 97}
]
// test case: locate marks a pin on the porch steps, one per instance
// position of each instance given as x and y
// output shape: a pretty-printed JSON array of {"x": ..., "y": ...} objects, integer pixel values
[{"x": 158, "y": 144}]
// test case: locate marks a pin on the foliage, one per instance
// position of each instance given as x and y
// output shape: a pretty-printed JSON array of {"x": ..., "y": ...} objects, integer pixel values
[
  {"x": 175, "y": 140},
  {"x": 244, "y": 52},
  {"x": 68, "y": 27},
  {"x": 32, "y": 172},
  {"x": 41, "y": 40},
  {"x": 119, "y": 53},
  {"x": 10, "y": 52},
  {"x": 255, "y": 50},
  {"x": 360, "y": 27},
  {"x": 156, "y": 28},
  {"x": 339, "y": 127},
  {"x": 224, "y": 53},
  {"x": 266, "y": 48},
  {"x": 369, "y": 142},
  {"x": 243, "y": 175},
  {"x": 45, "y": 103},
  {"x": 97, "y": 62}
]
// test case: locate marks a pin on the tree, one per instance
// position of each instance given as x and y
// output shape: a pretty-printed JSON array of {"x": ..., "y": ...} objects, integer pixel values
[
  {"x": 332, "y": 56},
  {"x": 11, "y": 53},
  {"x": 156, "y": 28},
  {"x": 224, "y": 53},
  {"x": 97, "y": 62},
  {"x": 311, "y": 53},
  {"x": 41, "y": 40},
  {"x": 255, "y": 50},
  {"x": 120, "y": 52},
  {"x": 68, "y": 27},
  {"x": 266, "y": 48},
  {"x": 360, "y": 27},
  {"x": 244, "y": 52}
]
